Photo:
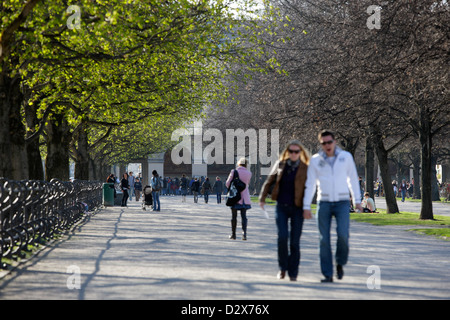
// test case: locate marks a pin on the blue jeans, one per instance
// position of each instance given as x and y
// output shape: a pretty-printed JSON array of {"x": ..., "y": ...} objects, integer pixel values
[
  {"x": 289, "y": 261},
  {"x": 156, "y": 203},
  {"x": 403, "y": 195},
  {"x": 131, "y": 193},
  {"x": 219, "y": 197},
  {"x": 325, "y": 211},
  {"x": 206, "y": 195}
]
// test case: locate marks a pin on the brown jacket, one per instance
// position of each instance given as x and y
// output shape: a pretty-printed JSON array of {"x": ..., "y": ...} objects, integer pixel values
[{"x": 274, "y": 178}]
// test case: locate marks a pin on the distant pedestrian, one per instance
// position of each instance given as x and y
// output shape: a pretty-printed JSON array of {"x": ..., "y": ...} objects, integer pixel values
[
  {"x": 361, "y": 187},
  {"x": 403, "y": 188},
  {"x": 156, "y": 188},
  {"x": 125, "y": 187},
  {"x": 218, "y": 189},
  {"x": 131, "y": 181},
  {"x": 169, "y": 186},
  {"x": 176, "y": 186},
  {"x": 164, "y": 190},
  {"x": 195, "y": 189},
  {"x": 111, "y": 178},
  {"x": 138, "y": 188},
  {"x": 244, "y": 204},
  {"x": 184, "y": 187},
  {"x": 206, "y": 188},
  {"x": 410, "y": 190},
  {"x": 394, "y": 186},
  {"x": 377, "y": 189},
  {"x": 190, "y": 185}
]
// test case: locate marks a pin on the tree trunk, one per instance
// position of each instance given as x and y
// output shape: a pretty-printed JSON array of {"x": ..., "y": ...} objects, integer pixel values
[
  {"x": 100, "y": 171},
  {"x": 369, "y": 167},
  {"x": 35, "y": 168},
  {"x": 58, "y": 141},
  {"x": 350, "y": 144},
  {"x": 426, "y": 212},
  {"x": 382, "y": 156},
  {"x": 5, "y": 142},
  {"x": 82, "y": 155},
  {"x": 13, "y": 157},
  {"x": 122, "y": 170},
  {"x": 19, "y": 158},
  {"x": 416, "y": 174}
]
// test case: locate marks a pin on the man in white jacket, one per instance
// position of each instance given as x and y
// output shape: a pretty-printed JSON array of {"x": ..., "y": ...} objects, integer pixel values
[{"x": 333, "y": 172}]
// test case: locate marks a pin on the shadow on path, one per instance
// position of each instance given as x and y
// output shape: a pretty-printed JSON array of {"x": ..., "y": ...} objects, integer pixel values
[{"x": 91, "y": 276}]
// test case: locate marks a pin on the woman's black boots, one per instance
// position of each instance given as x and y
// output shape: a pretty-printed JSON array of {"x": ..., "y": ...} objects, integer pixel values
[{"x": 233, "y": 229}]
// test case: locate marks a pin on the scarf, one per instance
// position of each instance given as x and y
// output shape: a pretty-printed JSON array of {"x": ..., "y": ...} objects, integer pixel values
[{"x": 292, "y": 165}]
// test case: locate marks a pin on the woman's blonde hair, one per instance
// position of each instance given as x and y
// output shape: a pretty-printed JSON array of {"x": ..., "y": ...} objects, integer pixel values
[
  {"x": 304, "y": 153},
  {"x": 242, "y": 162}
]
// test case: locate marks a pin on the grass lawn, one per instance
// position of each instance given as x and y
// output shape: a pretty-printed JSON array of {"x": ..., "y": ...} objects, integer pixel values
[
  {"x": 407, "y": 218},
  {"x": 400, "y": 219}
]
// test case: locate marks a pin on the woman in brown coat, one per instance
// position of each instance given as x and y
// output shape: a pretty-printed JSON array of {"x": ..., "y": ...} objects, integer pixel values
[{"x": 287, "y": 181}]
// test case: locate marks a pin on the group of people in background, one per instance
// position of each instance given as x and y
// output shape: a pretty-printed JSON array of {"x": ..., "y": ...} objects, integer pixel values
[
  {"x": 403, "y": 189},
  {"x": 192, "y": 186},
  {"x": 131, "y": 186}
]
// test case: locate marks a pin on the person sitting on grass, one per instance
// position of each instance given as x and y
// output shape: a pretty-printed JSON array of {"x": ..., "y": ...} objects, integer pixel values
[{"x": 368, "y": 203}]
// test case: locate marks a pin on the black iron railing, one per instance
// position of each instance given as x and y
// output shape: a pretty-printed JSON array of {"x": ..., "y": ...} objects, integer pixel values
[{"x": 34, "y": 211}]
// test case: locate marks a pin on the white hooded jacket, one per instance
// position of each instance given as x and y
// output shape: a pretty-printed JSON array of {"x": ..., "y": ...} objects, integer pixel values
[{"x": 334, "y": 182}]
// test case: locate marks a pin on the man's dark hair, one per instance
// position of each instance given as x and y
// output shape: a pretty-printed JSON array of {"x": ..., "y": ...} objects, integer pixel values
[{"x": 325, "y": 133}]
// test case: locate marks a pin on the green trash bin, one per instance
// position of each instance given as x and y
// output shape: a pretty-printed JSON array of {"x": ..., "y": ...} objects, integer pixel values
[{"x": 108, "y": 194}]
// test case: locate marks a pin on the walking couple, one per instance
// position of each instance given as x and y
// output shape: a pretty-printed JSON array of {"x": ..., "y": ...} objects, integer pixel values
[{"x": 292, "y": 183}]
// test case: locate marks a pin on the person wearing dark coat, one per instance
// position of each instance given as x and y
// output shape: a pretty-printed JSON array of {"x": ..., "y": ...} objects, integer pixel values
[
  {"x": 218, "y": 189},
  {"x": 124, "y": 185},
  {"x": 206, "y": 188},
  {"x": 195, "y": 189}
]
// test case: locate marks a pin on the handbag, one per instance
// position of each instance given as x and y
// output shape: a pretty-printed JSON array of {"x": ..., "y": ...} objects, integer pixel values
[
  {"x": 233, "y": 196},
  {"x": 239, "y": 184}
]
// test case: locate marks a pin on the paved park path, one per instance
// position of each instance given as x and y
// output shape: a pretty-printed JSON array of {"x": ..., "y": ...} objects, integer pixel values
[{"x": 183, "y": 252}]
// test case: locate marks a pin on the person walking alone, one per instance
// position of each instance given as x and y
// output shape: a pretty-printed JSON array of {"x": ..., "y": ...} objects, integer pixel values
[
  {"x": 195, "y": 189},
  {"x": 244, "y": 204},
  {"x": 125, "y": 187},
  {"x": 131, "y": 181},
  {"x": 403, "y": 188},
  {"x": 138, "y": 188},
  {"x": 288, "y": 177},
  {"x": 334, "y": 173},
  {"x": 218, "y": 189},
  {"x": 156, "y": 188},
  {"x": 206, "y": 187},
  {"x": 184, "y": 187}
]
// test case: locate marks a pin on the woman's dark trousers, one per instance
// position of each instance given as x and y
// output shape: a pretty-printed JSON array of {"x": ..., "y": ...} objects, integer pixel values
[
  {"x": 289, "y": 255},
  {"x": 125, "y": 197}
]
